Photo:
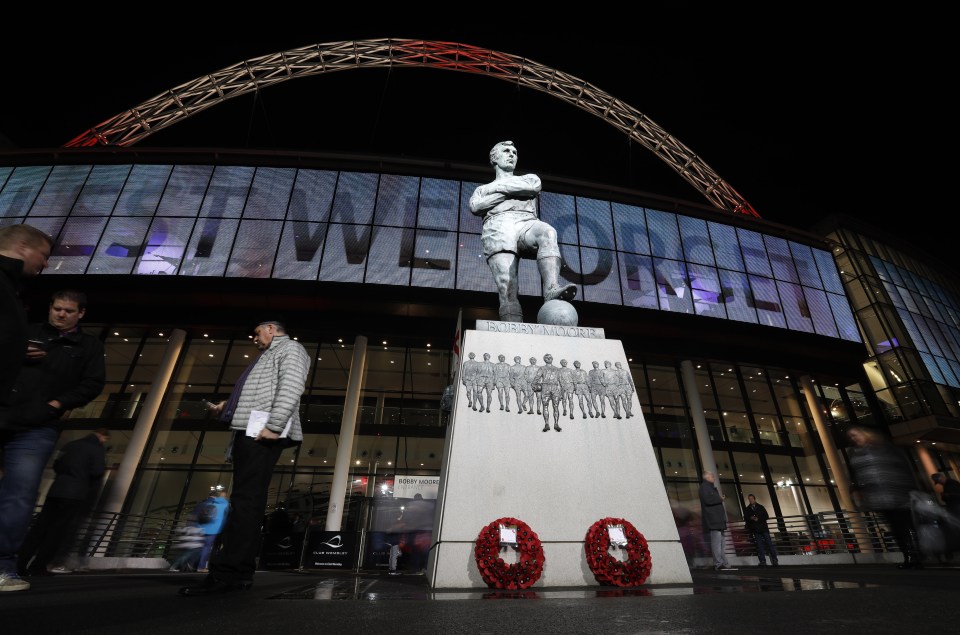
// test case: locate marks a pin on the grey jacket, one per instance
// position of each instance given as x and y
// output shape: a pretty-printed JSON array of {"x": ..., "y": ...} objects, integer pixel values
[{"x": 274, "y": 385}]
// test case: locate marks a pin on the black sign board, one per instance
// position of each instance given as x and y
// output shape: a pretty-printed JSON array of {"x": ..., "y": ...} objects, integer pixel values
[
  {"x": 330, "y": 550},
  {"x": 281, "y": 551}
]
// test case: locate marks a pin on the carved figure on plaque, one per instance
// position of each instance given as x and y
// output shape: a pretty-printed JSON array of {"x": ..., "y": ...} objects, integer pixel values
[
  {"x": 547, "y": 384},
  {"x": 626, "y": 389},
  {"x": 501, "y": 379},
  {"x": 596, "y": 390},
  {"x": 611, "y": 384},
  {"x": 533, "y": 396},
  {"x": 512, "y": 229},
  {"x": 485, "y": 381},
  {"x": 519, "y": 383},
  {"x": 566, "y": 387},
  {"x": 582, "y": 390},
  {"x": 469, "y": 375}
]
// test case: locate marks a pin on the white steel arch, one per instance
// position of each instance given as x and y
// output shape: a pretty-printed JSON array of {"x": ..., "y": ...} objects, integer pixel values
[{"x": 187, "y": 99}]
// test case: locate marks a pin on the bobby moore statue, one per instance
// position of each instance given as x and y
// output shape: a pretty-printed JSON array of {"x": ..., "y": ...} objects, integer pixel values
[{"x": 513, "y": 230}]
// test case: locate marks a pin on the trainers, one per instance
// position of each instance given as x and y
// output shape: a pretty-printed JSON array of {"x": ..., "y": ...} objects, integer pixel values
[
  {"x": 174, "y": 569},
  {"x": 61, "y": 570},
  {"x": 13, "y": 582},
  {"x": 725, "y": 567}
]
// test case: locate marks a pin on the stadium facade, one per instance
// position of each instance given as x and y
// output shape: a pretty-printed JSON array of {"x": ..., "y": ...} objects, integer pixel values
[{"x": 751, "y": 342}]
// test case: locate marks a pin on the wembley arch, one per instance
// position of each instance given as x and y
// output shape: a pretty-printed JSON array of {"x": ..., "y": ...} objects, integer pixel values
[{"x": 257, "y": 73}]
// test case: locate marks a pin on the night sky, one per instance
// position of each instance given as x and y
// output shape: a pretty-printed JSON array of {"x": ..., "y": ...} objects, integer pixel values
[{"x": 803, "y": 110}]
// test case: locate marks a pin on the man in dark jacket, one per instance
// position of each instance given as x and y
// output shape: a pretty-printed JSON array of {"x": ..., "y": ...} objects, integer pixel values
[
  {"x": 755, "y": 519},
  {"x": 714, "y": 519},
  {"x": 63, "y": 370},
  {"x": 23, "y": 253},
  {"x": 79, "y": 467}
]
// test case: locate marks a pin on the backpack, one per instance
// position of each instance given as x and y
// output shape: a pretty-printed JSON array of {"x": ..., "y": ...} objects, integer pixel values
[{"x": 206, "y": 512}]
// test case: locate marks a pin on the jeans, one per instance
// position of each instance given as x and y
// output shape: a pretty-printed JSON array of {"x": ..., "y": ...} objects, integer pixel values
[
  {"x": 764, "y": 547},
  {"x": 208, "y": 542},
  {"x": 25, "y": 456},
  {"x": 253, "y": 464}
]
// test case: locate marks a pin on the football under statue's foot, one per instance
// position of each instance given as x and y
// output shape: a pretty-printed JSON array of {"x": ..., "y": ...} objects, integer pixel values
[{"x": 561, "y": 292}]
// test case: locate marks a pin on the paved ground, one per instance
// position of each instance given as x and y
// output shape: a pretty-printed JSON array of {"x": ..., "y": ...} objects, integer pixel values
[{"x": 795, "y": 600}]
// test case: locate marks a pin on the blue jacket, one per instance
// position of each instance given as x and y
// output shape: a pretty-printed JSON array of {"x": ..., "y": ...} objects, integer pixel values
[{"x": 215, "y": 526}]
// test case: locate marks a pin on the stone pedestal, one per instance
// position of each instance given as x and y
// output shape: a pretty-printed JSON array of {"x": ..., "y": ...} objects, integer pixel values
[{"x": 503, "y": 464}]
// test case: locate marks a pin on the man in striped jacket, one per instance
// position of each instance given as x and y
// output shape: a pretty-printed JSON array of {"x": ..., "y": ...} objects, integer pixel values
[{"x": 264, "y": 414}]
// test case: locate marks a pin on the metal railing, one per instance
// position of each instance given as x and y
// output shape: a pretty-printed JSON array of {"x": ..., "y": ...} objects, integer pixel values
[{"x": 820, "y": 533}]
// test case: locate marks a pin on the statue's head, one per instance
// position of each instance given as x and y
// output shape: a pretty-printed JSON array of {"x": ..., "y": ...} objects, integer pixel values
[
  {"x": 607, "y": 364},
  {"x": 486, "y": 357},
  {"x": 563, "y": 362},
  {"x": 596, "y": 364},
  {"x": 472, "y": 355},
  {"x": 517, "y": 359},
  {"x": 576, "y": 364},
  {"x": 619, "y": 365},
  {"x": 548, "y": 358},
  {"x": 502, "y": 357},
  {"x": 533, "y": 361},
  {"x": 503, "y": 146}
]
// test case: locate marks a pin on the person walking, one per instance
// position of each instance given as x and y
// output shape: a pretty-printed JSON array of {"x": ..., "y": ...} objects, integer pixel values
[
  {"x": 211, "y": 516},
  {"x": 714, "y": 519},
  {"x": 79, "y": 467},
  {"x": 263, "y": 412},
  {"x": 881, "y": 482},
  {"x": 755, "y": 519},
  {"x": 63, "y": 369}
]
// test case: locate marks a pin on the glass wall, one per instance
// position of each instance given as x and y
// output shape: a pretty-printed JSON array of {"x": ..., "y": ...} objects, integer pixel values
[{"x": 290, "y": 223}]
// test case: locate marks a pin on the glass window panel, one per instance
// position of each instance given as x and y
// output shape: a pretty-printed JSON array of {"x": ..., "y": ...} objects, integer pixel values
[
  {"x": 270, "y": 193},
  {"x": 439, "y": 201},
  {"x": 435, "y": 255},
  {"x": 806, "y": 266},
  {"x": 631, "y": 229},
  {"x": 76, "y": 244},
  {"x": 664, "y": 386},
  {"x": 473, "y": 273},
  {"x": 147, "y": 362},
  {"x": 726, "y": 247},
  {"x": 354, "y": 199},
  {"x": 184, "y": 192},
  {"x": 754, "y": 252},
  {"x": 60, "y": 190},
  {"x": 601, "y": 276},
  {"x": 469, "y": 222},
  {"x": 301, "y": 248},
  {"x": 5, "y": 173},
  {"x": 142, "y": 191},
  {"x": 763, "y": 293},
  {"x": 827, "y": 267},
  {"x": 680, "y": 463},
  {"x": 758, "y": 391},
  {"x": 820, "y": 312},
  {"x": 596, "y": 223},
  {"x": 706, "y": 291},
  {"x": 786, "y": 485},
  {"x": 254, "y": 249},
  {"x": 781, "y": 259},
  {"x": 788, "y": 400},
  {"x": 844, "y": 317},
  {"x": 209, "y": 248},
  {"x": 312, "y": 195},
  {"x": 101, "y": 190},
  {"x": 738, "y": 428},
  {"x": 165, "y": 246},
  {"x": 345, "y": 253},
  {"x": 120, "y": 246},
  {"x": 21, "y": 190},
  {"x": 383, "y": 266},
  {"x": 696, "y": 240},
  {"x": 664, "y": 234},
  {"x": 673, "y": 292},
  {"x": 397, "y": 200},
  {"x": 228, "y": 191},
  {"x": 728, "y": 389},
  {"x": 331, "y": 368},
  {"x": 638, "y": 281},
  {"x": 795, "y": 307},
  {"x": 752, "y": 480},
  {"x": 737, "y": 298}
]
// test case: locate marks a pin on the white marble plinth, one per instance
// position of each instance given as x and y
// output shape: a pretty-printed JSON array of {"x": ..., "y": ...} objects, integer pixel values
[{"x": 502, "y": 464}]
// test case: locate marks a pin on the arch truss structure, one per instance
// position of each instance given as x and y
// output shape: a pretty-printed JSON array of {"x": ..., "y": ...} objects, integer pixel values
[{"x": 248, "y": 76}]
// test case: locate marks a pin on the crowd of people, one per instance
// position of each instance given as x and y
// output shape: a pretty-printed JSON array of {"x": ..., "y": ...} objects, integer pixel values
[{"x": 52, "y": 367}]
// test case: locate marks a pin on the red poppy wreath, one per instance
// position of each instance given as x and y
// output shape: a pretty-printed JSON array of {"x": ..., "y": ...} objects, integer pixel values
[
  {"x": 494, "y": 570},
  {"x": 610, "y": 570}
]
